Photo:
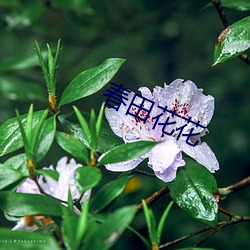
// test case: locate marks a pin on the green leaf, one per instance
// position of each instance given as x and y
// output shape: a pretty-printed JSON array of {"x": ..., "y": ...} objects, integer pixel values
[
  {"x": 127, "y": 152},
  {"x": 108, "y": 193},
  {"x": 70, "y": 201},
  {"x": 37, "y": 132},
  {"x": 10, "y": 136},
  {"x": 74, "y": 228},
  {"x": 69, "y": 230},
  {"x": 99, "y": 122},
  {"x": 8, "y": 176},
  {"x": 82, "y": 223},
  {"x": 20, "y": 204},
  {"x": 16, "y": 240},
  {"x": 46, "y": 138},
  {"x": 22, "y": 131},
  {"x": 28, "y": 127},
  {"x": 87, "y": 177},
  {"x": 84, "y": 125},
  {"x": 151, "y": 223},
  {"x": 92, "y": 127},
  {"x": 52, "y": 65},
  {"x": 53, "y": 174},
  {"x": 105, "y": 235},
  {"x": 193, "y": 191},
  {"x": 162, "y": 222},
  {"x": 107, "y": 139},
  {"x": 18, "y": 162},
  {"x": 43, "y": 65},
  {"x": 233, "y": 41},
  {"x": 47, "y": 229},
  {"x": 90, "y": 81},
  {"x": 73, "y": 146},
  {"x": 241, "y": 5},
  {"x": 19, "y": 90}
]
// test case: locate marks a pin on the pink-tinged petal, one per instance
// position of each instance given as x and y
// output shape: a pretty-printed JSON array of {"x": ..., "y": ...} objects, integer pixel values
[
  {"x": 145, "y": 92},
  {"x": 124, "y": 166},
  {"x": 202, "y": 154},
  {"x": 188, "y": 101},
  {"x": 165, "y": 158},
  {"x": 59, "y": 189},
  {"x": 122, "y": 124},
  {"x": 157, "y": 96},
  {"x": 29, "y": 187},
  {"x": 127, "y": 126},
  {"x": 48, "y": 185}
]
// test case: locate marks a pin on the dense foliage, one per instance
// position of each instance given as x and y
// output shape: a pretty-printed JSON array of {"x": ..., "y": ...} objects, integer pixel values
[{"x": 58, "y": 202}]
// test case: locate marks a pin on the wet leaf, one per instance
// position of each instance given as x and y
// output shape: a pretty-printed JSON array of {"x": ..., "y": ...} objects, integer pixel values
[
  {"x": 46, "y": 137},
  {"x": 20, "y": 204},
  {"x": 9, "y": 176},
  {"x": 18, "y": 162},
  {"x": 126, "y": 152},
  {"x": 107, "y": 138},
  {"x": 108, "y": 193},
  {"x": 233, "y": 41},
  {"x": 87, "y": 177},
  {"x": 193, "y": 191},
  {"x": 73, "y": 146},
  {"x": 10, "y": 135},
  {"x": 53, "y": 174},
  {"x": 90, "y": 81}
]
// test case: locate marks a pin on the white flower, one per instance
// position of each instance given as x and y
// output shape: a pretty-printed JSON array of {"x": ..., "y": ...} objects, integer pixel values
[
  {"x": 58, "y": 189},
  {"x": 186, "y": 100}
]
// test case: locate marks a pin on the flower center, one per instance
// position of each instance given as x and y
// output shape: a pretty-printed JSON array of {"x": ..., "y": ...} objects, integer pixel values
[{"x": 180, "y": 108}]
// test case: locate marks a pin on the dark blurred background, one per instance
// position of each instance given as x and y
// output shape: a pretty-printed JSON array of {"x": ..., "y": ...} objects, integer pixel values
[{"x": 161, "y": 41}]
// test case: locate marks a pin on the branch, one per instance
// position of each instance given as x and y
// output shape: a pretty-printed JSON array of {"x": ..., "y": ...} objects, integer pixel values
[
  {"x": 235, "y": 220},
  {"x": 223, "y": 192},
  {"x": 152, "y": 198},
  {"x": 222, "y": 15},
  {"x": 224, "y": 211},
  {"x": 226, "y": 23},
  {"x": 204, "y": 229}
]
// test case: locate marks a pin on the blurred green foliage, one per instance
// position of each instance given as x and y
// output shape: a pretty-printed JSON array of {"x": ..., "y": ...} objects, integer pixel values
[{"x": 161, "y": 41}]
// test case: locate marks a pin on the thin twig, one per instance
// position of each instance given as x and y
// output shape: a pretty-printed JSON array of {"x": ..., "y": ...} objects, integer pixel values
[
  {"x": 152, "y": 198},
  {"x": 144, "y": 173},
  {"x": 204, "y": 229},
  {"x": 223, "y": 192},
  {"x": 224, "y": 211},
  {"x": 226, "y": 23},
  {"x": 235, "y": 220}
]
